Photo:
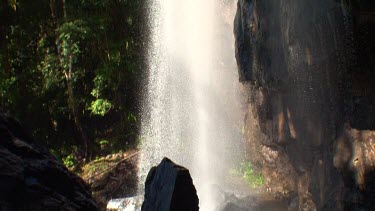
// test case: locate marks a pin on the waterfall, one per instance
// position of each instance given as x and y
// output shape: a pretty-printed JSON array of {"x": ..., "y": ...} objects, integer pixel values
[{"x": 191, "y": 110}]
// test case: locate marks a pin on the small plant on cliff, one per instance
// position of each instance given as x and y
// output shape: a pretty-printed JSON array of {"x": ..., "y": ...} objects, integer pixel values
[{"x": 247, "y": 172}]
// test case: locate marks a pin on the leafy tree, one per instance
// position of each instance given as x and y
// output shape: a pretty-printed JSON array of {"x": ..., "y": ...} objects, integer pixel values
[{"x": 71, "y": 71}]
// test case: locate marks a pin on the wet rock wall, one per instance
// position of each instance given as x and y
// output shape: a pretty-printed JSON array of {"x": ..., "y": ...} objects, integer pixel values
[{"x": 309, "y": 72}]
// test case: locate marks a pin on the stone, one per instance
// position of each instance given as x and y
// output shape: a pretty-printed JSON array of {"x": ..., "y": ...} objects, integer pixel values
[
  {"x": 243, "y": 43},
  {"x": 32, "y": 179},
  {"x": 125, "y": 204},
  {"x": 310, "y": 120},
  {"x": 169, "y": 187}
]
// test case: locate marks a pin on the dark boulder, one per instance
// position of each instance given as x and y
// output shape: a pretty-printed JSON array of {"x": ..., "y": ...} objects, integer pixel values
[
  {"x": 32, "y": 179},
  {"x": 169, "y": 187}
]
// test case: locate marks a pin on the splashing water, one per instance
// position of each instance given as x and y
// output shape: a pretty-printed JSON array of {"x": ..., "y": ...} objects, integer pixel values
[{"x": 191, "y": 110}]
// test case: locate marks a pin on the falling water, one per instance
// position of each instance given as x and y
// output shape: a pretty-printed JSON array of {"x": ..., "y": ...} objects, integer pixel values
[{"x": 191, "y": 110}]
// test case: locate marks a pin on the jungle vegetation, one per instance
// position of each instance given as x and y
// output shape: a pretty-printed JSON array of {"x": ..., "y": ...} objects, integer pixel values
[{"x": 71, "y": 72}]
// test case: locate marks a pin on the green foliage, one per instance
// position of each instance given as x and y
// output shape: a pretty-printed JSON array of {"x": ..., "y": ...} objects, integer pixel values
[
  {"x": 70, "y": 34},
  {"x": 69, "y": 161},
  {"x": 55, "y": 154},
  {"x": 132, "y": 117},
  {"x": 104, "y": 145},
  {"x": 247, "y": 172},
  {"x": 103, "y": 142},
  {"x": 100, "y": 107},
  {"x": 91, "y": 55},
  {"x": 101, "y": 82},
  {"x": 6, "y": 89}
]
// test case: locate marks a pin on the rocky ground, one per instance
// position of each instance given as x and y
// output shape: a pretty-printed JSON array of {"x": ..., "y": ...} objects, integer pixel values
[
  {"x": 32, "y": 176},
  {"x": 114, "y": 177},
  {"x": 111, "y": 177}
]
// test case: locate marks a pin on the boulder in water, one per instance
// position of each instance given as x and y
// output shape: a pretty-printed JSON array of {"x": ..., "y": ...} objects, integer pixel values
[{"x": 169, "y": 187}]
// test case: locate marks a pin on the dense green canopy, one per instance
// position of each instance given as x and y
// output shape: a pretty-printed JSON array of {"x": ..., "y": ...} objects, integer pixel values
[{"x": 70, "y": 71}]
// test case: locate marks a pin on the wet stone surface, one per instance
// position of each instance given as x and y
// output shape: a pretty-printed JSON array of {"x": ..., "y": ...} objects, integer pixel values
[{"x": 309, "y": 78}]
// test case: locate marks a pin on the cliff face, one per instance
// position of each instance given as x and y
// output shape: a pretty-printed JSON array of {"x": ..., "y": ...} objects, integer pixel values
[{"x": 310, "y": 124}]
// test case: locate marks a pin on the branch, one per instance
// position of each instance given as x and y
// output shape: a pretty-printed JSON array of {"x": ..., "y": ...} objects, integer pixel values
[{"x": 113, "y": 166}]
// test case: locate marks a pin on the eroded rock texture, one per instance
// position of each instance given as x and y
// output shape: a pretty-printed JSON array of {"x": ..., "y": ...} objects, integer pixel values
[
  {"x": 310, "y": 122},
  {"x": 32, "y": 179},
  {"x": 169, "y": 187}
]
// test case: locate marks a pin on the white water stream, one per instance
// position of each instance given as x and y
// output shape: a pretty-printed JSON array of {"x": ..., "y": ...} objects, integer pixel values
[{"x": 191, "y": 110}]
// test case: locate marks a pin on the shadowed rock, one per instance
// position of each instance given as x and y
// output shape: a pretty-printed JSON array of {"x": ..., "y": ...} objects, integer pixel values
[
  {"x": 310, "y": 121},
  {"x": 244, "y": 42},
  {"x": 169, "y": 187},
  {"x": 32, "y": 179}
]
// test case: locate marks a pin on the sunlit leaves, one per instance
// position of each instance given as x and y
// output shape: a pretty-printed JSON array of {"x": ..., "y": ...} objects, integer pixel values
[
  {"x": 100, "y": 107},
  {"x": 49, "y": 69},
  {"x": 96, "y": 43},
  {"x": 70, "y": 36},
  {"x": 247, "y": 171},
  {"x": 6, "y": 88}
]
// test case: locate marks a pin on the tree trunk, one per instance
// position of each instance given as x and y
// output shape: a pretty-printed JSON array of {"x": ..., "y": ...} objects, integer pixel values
[
  {"x": 75, "y": 111},
  {"x": 64, "y": 8},
  {"x": 72, "y": 104}
]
